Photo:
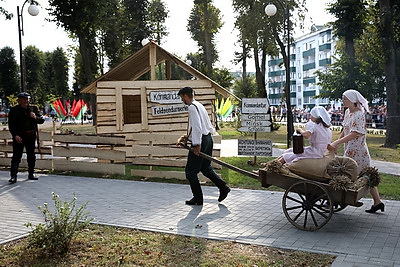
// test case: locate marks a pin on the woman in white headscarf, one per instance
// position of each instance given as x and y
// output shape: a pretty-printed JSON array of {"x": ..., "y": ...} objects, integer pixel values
[
  {"x": 317, "y": 132},
  {"x": 353, "y": 137}
]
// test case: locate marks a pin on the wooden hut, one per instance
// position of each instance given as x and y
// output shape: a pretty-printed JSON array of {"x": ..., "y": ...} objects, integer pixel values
[{"x": 135, "y": 108}]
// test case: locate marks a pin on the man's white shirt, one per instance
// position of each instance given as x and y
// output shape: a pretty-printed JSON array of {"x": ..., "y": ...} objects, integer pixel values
[{"x": 199, "y": 122}]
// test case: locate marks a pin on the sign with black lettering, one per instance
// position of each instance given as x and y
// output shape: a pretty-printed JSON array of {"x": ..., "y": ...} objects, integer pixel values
[
  {"x": 255, "y": 105},
  {"x": 251, "y": 147},
  {"x": 165, "y": 97},
  {"x": 168, "y": 110}
]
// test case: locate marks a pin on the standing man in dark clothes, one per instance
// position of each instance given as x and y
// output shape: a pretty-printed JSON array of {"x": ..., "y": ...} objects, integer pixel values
[
  {"x": 22, "y": 123},
  {"x": 199, "y": 133}
]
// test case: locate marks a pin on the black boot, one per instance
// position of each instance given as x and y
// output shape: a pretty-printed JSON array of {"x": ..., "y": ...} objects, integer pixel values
[
  {"x": 31, "y": 176},
  {"x": 13, "y": 173}
]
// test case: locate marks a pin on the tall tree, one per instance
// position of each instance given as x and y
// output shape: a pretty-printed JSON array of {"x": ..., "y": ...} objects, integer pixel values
[
  {"x": 156, "y": 16},
  {"x": 350, "y": 14},
  {"x": 135, "y": 28},
  {"x": 389, "y": 31},
  {"x": 56, "y": 75},
  {"x": 34, "y": 66},
  {"x": 9, "y": 80},
  {"x": 203, "y": 24},
  {"x": 81, "y": 19}
]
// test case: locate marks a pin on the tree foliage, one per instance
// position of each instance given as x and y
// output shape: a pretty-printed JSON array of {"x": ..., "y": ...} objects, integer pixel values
[
  {"x": 203, "y": 24},
  {"x": 34, "y": 70},
  {"x": 261, "y": 34},
  {"x": 368, "y": 56},
  {"x": 157, "y": 14},
  {"x": 248, "y": 90},
  {"x": 9, "y": 79}
]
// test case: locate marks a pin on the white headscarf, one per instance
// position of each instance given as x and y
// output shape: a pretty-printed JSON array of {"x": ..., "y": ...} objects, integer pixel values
[
  {"x": 320, "y": 112},
  {"x": 355, "y": 97}
]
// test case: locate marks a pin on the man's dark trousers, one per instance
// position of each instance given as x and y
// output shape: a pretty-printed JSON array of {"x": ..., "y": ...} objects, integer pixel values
[
  {"x": 196, "y": 164},
  {"x": 28, "y": 141}
]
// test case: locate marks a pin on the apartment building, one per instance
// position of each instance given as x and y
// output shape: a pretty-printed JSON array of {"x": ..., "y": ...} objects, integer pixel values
[{"x": 310, "y": 52}]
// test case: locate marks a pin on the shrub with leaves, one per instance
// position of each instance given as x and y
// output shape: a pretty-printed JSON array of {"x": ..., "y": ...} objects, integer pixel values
[{"x": 60, "y": 228}]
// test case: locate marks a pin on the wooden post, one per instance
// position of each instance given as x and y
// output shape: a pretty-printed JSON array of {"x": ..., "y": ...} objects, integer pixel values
[{"x": 153, "y": 62}]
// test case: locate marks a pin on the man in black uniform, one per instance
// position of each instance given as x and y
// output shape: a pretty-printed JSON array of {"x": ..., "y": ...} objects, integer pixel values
[{"x": 22, "y": 123}]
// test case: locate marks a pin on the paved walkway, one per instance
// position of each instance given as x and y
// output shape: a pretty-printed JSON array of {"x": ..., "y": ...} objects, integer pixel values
[{"x": 248, "y": 216}]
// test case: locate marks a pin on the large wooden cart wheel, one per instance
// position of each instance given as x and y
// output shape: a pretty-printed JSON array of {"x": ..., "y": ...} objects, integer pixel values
[{"x": 302, "y": 206}]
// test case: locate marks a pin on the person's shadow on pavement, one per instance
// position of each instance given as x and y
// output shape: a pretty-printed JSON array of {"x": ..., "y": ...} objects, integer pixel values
[{"x": 196, "y": 225}]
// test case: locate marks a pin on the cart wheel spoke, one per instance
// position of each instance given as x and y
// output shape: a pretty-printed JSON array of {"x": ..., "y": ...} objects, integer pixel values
[
  {"x": 298, "y": 215},
  {"x": 313, "y": 218},
  {"x": 295, "y": 200},
  {"x": 304, "y": 205},
  {"x": 320, "y": 213},
  {"x": 294, "y": 207}
]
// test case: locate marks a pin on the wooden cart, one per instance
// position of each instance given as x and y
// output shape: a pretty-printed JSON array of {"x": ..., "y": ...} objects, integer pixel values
[{"x": 308, "y": 204}]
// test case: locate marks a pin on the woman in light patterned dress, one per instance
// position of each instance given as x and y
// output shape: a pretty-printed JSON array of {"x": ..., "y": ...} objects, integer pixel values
[{"x": 353, "y": 137}]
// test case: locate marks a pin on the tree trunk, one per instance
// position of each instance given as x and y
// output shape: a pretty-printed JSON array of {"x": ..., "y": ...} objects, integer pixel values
[
  {"x": 260, "y": 77},
  {"x": 244, "y": 67},
  {"x": 88, "y": 73},
  {"x": 392, "y": 82}
]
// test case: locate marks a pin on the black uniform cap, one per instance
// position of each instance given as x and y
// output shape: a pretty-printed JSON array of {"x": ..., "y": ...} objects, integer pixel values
[
  {"x": 186, "y": 91},
  {"x": 23, "y": 94}
]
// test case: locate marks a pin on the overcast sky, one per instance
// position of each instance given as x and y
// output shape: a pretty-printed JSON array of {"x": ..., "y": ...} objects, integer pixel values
[{"x": 46, "y": 36}]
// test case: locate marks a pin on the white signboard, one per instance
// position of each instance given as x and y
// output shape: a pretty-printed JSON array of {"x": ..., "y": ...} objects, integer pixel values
[
  {"x": 255, "y": 105},
  {"x": 165, "y": 97},
  {"x": 168, "y": 110},
  {"x": 255, "y": 129},
  {"x": 256, "y": 117},
  {"x": 255, "y": 123},
  {"x": 251, "y": 147}
]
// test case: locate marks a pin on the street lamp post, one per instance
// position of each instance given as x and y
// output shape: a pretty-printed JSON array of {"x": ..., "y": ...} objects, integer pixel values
[
  {"x": 270, "y": 10},
  {"x": 33, "y": 10}
]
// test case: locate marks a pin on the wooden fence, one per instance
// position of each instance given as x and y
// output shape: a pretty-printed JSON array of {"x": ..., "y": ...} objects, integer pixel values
[
  {"x": 107, "y": 154},
  {"x": 159, "y": 150},
  {"x": 79, "y": 153}
]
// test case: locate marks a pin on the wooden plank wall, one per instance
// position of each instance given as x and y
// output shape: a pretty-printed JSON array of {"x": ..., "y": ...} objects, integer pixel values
[
  {"x": 106, "y": 154},
  {"x": 80, "y": 153},
  {"x": 110, "y": 106},
  {"x": 157, "y": 149}
]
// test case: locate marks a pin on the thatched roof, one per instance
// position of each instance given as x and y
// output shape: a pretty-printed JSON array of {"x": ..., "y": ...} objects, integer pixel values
[{"x": 139, "y": 63}]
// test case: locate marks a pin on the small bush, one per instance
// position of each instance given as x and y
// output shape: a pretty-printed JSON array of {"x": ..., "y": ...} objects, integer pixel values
[{"x": 60, "y": 227}]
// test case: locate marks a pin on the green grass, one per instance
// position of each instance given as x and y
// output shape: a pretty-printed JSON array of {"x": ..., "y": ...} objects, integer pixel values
[{"x": 113, "y": 246}]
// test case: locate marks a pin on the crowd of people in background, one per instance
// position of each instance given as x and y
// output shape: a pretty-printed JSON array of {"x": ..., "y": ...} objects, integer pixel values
[{"x": 376, "y": 118}]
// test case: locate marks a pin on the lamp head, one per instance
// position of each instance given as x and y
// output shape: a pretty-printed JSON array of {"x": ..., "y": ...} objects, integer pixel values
[
  {"x": 145, "y": 41},
  {"x": 270, "y": 10},
  {"x": 33, "y": 10}
]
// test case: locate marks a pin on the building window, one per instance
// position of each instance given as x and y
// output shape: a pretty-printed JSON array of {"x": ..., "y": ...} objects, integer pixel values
[{"x": 132, "y": 109}]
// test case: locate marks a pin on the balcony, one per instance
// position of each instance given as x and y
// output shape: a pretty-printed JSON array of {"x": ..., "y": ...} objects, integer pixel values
[
  {"x": 324, "y": 47},
  {"x": 309, "y": 80},
  {"x": 276, "y": 73},
  {"x": 309, "y": 53},
  {"x": 276, "y": 84},
  {"x": 324, "y": 62},
  {"x": 309, "y": 93},
  {"x": 309, "y": 66},
  {"x": 275, "y": 62},
  {"x": 274, "y": 96}
]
